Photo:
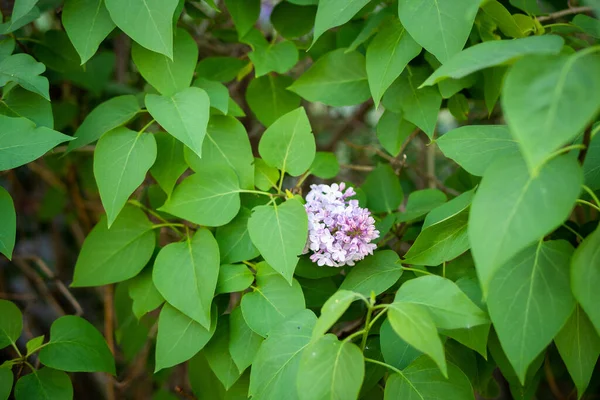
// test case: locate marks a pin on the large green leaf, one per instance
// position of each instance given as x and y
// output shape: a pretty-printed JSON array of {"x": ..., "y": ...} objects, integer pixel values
[
  {"x": 169, "y": 164},
  {"x": 332, "y": 310},
  {"x": 105, "y": 117},
  {"x": 233, "y": 278},
  {"x": 76, "y": 346},
  {"x": 392, "y": 131},
  {"x": 45, "y": 383},
  {"x": 210, "y": 197},
  {"x": 591, "y": 165},
  {"x": 521, "y": 208},
  {"x": 585, "y": 276},
  {"x": 8, "y": 230},
  {"x": 21, "y": 8},
  {"x": 220, "y": 69},
  {"x": 168, "y": 74},
  {"x": 184, "y": 115},
  {"x": 180, "y": 337},
  {"x": 148, "y": 22},
  {"x": 269, "y": 99},
  {"x": 325, "y": 165},
  {"x": 279, "y": 232},
  {"x": 579, "y": 347},
  {"x": 442, "y": 27},
  {"x": 549, "y": 100},
  {"x": 121, "y": 160},
  {"x": 203, "y": 381},
  {"x": 218, "y": 356},
  {"x": 330, "y": 369},
  {"x": 492, "y": 53},
  {"x": 274, "y": 371},
  {"x": 420, "y": 203},
  {"x": 332, "y": 13},
  {"x": 6, "y": 382},
  {"x": 476, "y": 147},
  {"x": 530, "y": 300},
  {"x": 272, "y": 301},
  {"x": 396, "y": 352},
  {"x": 449, "y": 306},
  {"x": 144, "y": 294},
  {"x": 244, "y": 14},
  {"x": 217, "y": 93},
  {"x": 115, "y": 254},
  {"x": 11, "y": 323},
  {"x": 19, "y": 102},
  {"x": 414, "y": 324},
  {"x": 288, "y": 143},
  {"x": 382, "y": 186},
  {"x": 440, "y": 242},
  {"x": 421, "y": 380},
  {"x": 293, "y": 21},
  {"x": 234, "y": 240},
  {"x": 336, "y": 79},
  {"x": 87, "y": 22},
  {"x": 226, "y": 145},
  {"x": 21, "y": 142},
  {"x": 387, "y": 55},
  {"x": 25, "y": 70},
  {"x": 376, "y": 273},
  {"x": 449, "y": 209},
  {"x": 243, "y": 342},
  {"x": 265, "y": 176},
  {"x": 268, "y": 57},
  {"x": 191, "y": 289}
]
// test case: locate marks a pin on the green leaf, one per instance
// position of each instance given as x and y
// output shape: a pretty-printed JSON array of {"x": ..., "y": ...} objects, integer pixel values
[
  {"x": 330, "y": 369},
  {"x": 121, "y": 160},
  {"x": 449, "y": 306},
  {"x": 24, "y": 70},
  {"x": 226, "y": 145},
  {"x": 396, "y": 352},
  {"x": 332, "y": 310},
  {"x": 88, "y": 23},
  {"x": 168, "y": 74},
  {"x": 288, "y": 143},
  {"x": 218, "y": 93},
  {"x": 585, "y": 275},
  {"x": 21, "y": 142},
  {"x": 203, "y": 381},
  {"x": 210, "y": 197},
  {"x": 310, "y": 270},
  {"x": 192, "y": 288},
  {"x": 279, "y": 232},
  {"x": 292, "y": 21},
  {"x": 526, "y": 322},
  {"x": 265, "y": 176},
  {"x": 180, "y": 337},
  {"x": 421, "y": 380},
  {"x": 325, "y": 165},
  {"x": 218, "y": 357},
  {"x": 524, "y": 216},
  {"x": 336, "y": 79},
  {"x": 420, "y": 203},
  {"x": 272, "y": 301},
  {"x": 442, "y": 27},
  {"x": 11, "y": 324},
  {"x": 233, "y": 278},
  {"x": 579, "y": 347},
  {"x": 45, "y": 383},
  {"x": 492, "y": 53},
  {"x": 415, "y": 326},
  {"x": 6, "y": 382},
  {"x": 115, "y": 254},
  {"x": 387, "y": 55},
  {"x": 549, "y": 100},
  {"x": 440, "y": 242},
  {"x": 382, "y": 186},
  {"x": 591, "y": 165},
  {"x": 148, "y": 22},
  {"x": 449, "y": 209},
  {"x": 220, "y": 69},
  {"x": 275, "y": 367},
  {"x": 14, "y": 24},
  {"x": 269, "y": 99},
  {"x": 476, "y": 147},
  {"x": 243, "y": 342},
  {"x": 503, "y": 18},
  {"x": 375, "y": 273},
  {"x": 169, "y": 164},
  {"x": 8, "y": 229},
  {"x": 332, "y": 13},
  {"x": 419, "y": 106},
  {"x": 21, "y": 8},
  {"x": 317, "y": 291},
  {"x": 19, "y": 102},
  {"x": 268, "y": 57},
  {"x": 33, "y": 344},
  {"x": 589, "y": 25},
  {"x": 144, "y": 294},
  {"x": 76, "y": 346},
  {"x": 392, "y": 131},
  {"x": 234, "y": 240},
  {"x": 105, "y": 117},
  {"x": 529, "y": 6},
  {"x": 371, "y": 27},
  {"x": 184, "y": 115},
  {"x": 244, "y": 14}
]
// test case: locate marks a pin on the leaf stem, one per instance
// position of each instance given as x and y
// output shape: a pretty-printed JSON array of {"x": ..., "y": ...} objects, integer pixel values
[
  {"x": 146, "y": 126},
  {"x": 565, "y": 150},
  {"x": 157, "y": 216},
  {"x": 363, "y": 342},
  {"x": 281, "y": 181},
  {"x": 168, "y": 224},
  {"x": 14, "y": 345},
  {"x": 355, "y": 334},
  {"x": 592, "y": 194},
  {"x": 257, "y": 192},
  {"x": 587, "y": 203},
  {"x": 573, "y": 231},
  {"x": 416, "y": 270},
  {"x": 372, "y": 361}
]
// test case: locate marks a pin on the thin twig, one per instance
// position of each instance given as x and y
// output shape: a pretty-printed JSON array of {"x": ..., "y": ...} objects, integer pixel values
[
  {"x": 364, "y": 168},
  {"x": 109, "y": 328},
  {"x": 39, "y": 284},
  {"x": 587, "y": 138},
  {"x": 341, "y": 130},
  {"x": 564, "y": 13}
]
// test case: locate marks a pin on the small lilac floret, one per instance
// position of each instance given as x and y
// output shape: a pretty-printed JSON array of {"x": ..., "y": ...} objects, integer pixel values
[{"x": 339, "y": 231}]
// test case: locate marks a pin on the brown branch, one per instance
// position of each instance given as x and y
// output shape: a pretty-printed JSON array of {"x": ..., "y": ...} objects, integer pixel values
[
  {"x": 564, "y": 13},
  {"x": 587, "y": 138},
  {"x": 363, "y": 168},
  {"x": 341, "y": 130},
  {"x": 109, "y": 328},
  {"x": 39, "y": 283}
]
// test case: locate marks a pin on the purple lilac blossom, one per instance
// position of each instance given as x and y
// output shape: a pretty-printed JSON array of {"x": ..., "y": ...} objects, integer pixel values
[{"x": 339, "y": 231}]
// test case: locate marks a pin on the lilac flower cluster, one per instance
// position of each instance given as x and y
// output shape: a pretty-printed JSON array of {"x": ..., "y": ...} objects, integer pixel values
[{"x": 339, "y": 231}]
